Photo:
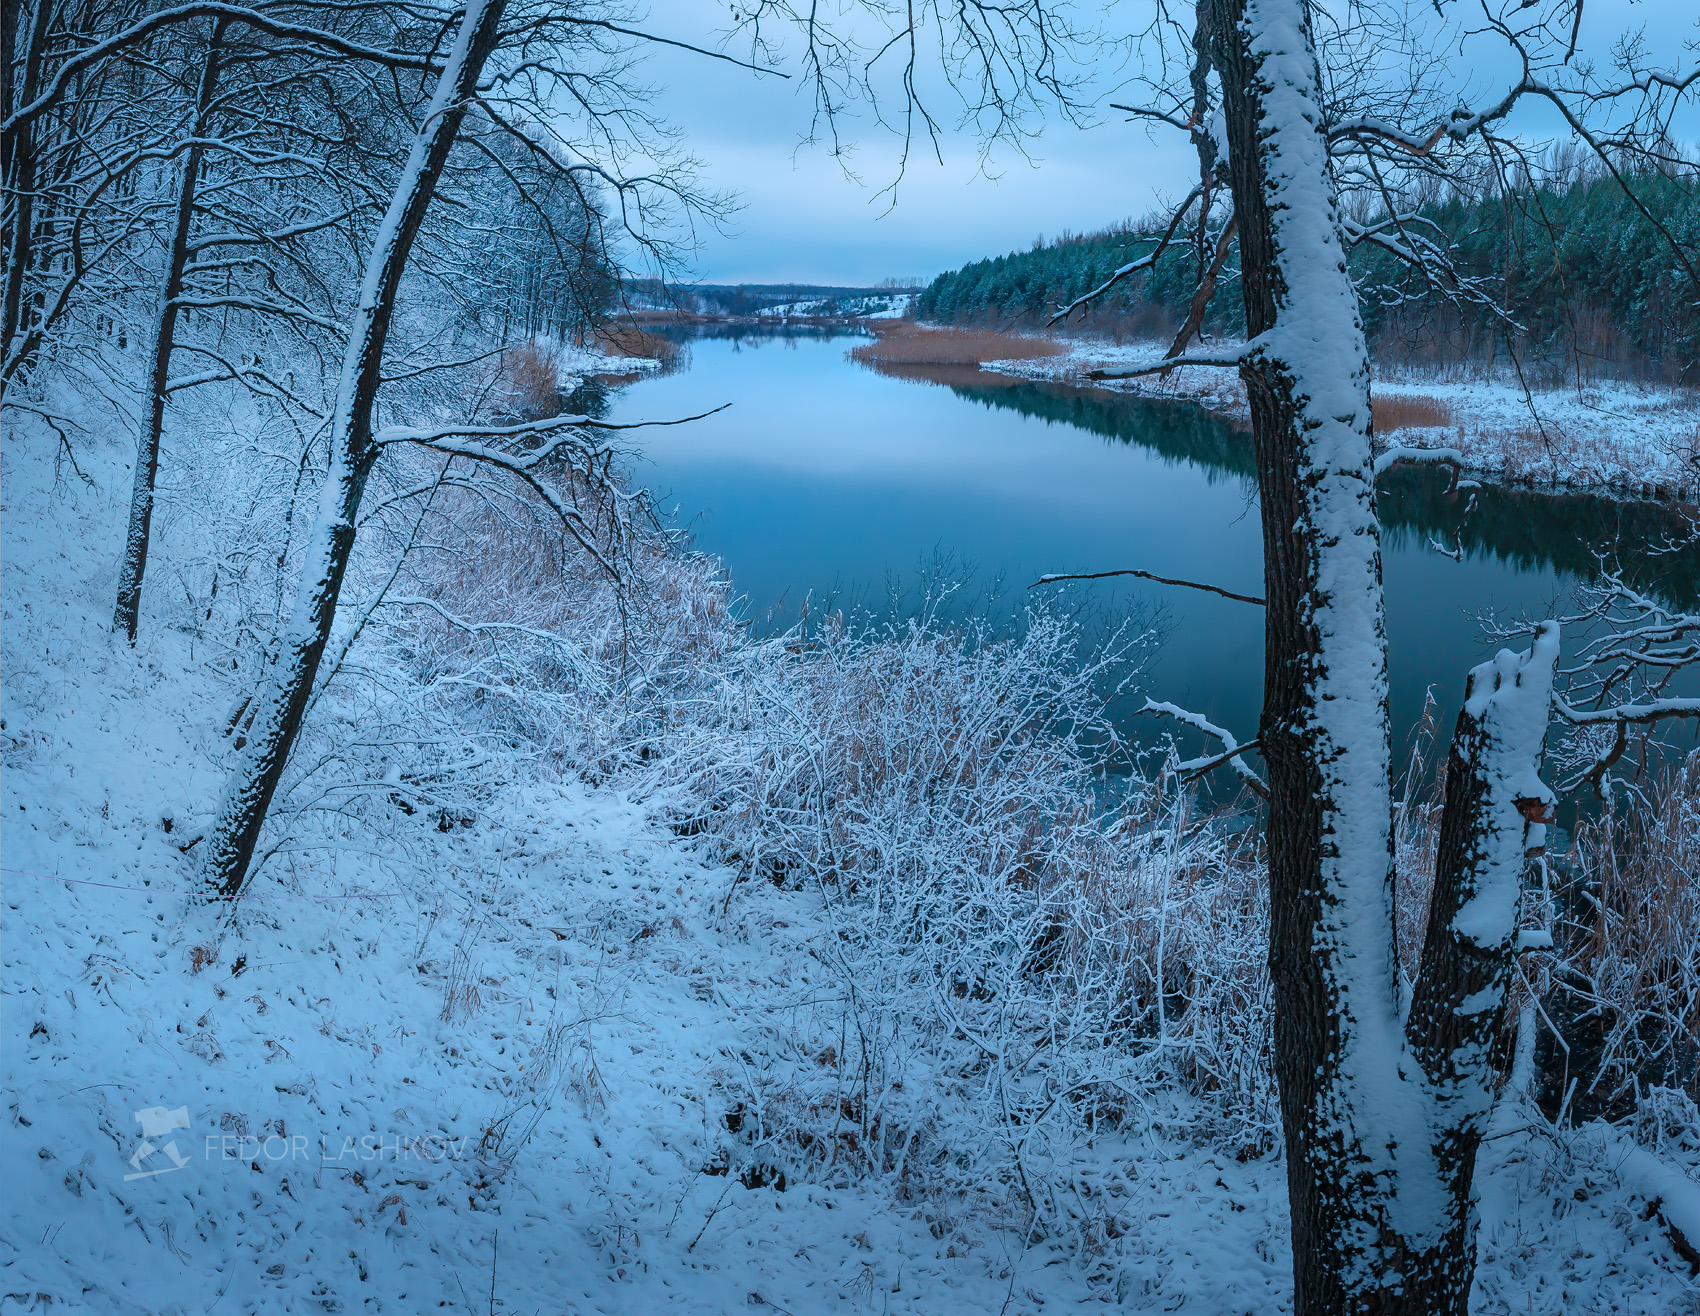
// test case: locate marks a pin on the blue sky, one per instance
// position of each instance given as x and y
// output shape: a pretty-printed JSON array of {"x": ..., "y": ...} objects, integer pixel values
[{"x": 804, "y": 219}]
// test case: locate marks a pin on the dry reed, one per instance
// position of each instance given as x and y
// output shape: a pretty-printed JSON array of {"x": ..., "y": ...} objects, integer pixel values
[
  {"x": 1408, "y": 411},
  {"x": 910, "y": 344},
  {"x": 628, "y": 340}
]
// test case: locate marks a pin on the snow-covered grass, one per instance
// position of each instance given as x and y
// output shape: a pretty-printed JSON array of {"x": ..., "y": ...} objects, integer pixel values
[
  {"x": 550, "y": 1044},
  {"x": 1641, "y": 440}
]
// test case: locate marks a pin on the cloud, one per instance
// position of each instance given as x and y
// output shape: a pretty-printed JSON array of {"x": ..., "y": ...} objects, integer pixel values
[{"x": 810, "y": 217}]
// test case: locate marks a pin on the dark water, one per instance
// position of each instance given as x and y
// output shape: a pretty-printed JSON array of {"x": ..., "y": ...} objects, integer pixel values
[{"x": 826, "y": 478}]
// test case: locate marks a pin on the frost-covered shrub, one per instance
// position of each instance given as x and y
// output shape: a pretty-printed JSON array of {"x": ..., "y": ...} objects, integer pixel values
[
  {"x": 1622, "y": 1011},
  {"x": 1025, "y": 950}
]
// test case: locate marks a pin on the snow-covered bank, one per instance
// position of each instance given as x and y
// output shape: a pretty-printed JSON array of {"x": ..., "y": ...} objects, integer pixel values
[
  {"x": 1633, "y": 440},
  {"x": 500, "y": 1066}
]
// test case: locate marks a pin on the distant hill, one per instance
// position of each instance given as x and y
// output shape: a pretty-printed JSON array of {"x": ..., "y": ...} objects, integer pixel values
[{"x": 770, "y": 299}]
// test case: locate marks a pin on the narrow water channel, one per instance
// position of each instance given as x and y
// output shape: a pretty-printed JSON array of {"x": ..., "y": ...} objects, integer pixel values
[{"x": 826, "y": 480}]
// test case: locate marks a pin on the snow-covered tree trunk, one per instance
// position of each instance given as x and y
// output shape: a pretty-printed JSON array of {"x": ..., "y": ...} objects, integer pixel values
[
  {"x": 1374, "y": 1154},
  {"x": 1493, "y": 822},
  {"x": 1347, "y": 1110},
  {"x": 353, "y": 450},
  {"x": 19, "y": 167},
  {"x": 128, "y": 609}
]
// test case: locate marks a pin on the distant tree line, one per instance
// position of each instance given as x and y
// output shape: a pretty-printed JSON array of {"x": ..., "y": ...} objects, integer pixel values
[
  {"x": 735, "y": 300},
  {"x": 748, "y": 298},
  {"x": 1575, "y": 275},
  {"x": 1027, "y": 287}
]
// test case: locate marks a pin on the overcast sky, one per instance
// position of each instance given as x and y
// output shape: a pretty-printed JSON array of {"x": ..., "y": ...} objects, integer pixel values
[{"x": 803, "y": 220}]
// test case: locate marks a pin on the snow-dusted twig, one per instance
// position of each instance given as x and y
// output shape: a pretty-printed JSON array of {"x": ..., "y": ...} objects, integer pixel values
[
  {"x": 1146, "y": 575},
  {"x": 1244, "y": 770},
  {"x": 1144, "y": 262}
]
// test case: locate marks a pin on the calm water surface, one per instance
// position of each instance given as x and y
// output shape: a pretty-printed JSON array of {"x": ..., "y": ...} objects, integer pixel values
[{"x": 826, "y": 479}]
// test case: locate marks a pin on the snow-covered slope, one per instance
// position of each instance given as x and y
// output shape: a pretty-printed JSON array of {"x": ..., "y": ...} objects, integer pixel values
[{"x": 491, "y": 1069}]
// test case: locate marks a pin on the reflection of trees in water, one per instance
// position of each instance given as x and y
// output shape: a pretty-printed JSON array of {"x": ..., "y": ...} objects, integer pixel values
[
  {"x": 590, "y": 397},
  {"x": 1527, "y": 527},
  {"x": 1180, "y": 431},
  {"x": 1563, "y": 531}
]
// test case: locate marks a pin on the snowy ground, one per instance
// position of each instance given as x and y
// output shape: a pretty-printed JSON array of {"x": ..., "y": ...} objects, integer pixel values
[
  {"x": 884, "y": 306},
  {"x": 488, "y": 1070},
  {"x": 1637, "y": 440}
]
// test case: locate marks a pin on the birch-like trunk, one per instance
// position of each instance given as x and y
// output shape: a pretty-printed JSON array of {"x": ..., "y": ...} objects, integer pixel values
[
  {"x": 127, "y": 612},
  {"x": 283, "y": 699}
]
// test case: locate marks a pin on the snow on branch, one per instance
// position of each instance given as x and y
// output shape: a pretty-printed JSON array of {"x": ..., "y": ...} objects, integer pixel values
[
  {"x": 1362, "y": 126},
  {"x": 1230, "y": 743},
  {"x": 140, "y": 31},
  {"x": 564, "y": 440},
  {"x": 433, "y": 438},
  {"x": 1145, "y": 262},
  {"x": 561, "y": 645},
  {"x": 259, "y": 305},
  {"x": 1417, "y": 456},
  {"x": 1620, "y": 677}
]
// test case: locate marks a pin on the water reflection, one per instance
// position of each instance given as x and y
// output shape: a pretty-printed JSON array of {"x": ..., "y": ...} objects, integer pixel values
[
  {"x": 1530, "y": 527},
  {"x": 825, "y": 480}
]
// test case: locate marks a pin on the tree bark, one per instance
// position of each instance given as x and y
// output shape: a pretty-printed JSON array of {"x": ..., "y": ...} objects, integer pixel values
[
  {"x": 1350, "y": 1113},
  {"x": 1381, "y": 1127},
  {"x": 127, "y": 611},
  {"x": 19, "y": 169},
  {"x": 283, "y": 699},
  {"x": 1492, "y": 823}
]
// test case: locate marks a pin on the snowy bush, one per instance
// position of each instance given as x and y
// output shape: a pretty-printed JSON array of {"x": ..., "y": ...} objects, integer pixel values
[
  {"x": 1622, "y": 1006},
  {"x": 1026, "y": 949}
]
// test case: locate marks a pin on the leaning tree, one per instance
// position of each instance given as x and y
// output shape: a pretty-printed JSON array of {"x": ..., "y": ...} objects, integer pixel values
[
  {"x": 218, "y": 160},
  {"x": 518, "y": 73}
]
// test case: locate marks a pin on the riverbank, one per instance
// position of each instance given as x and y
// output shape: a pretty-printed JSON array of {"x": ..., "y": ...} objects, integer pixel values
[
  {"x": 1631, "y": 440},
  {"x": 587, "y": 1038}
]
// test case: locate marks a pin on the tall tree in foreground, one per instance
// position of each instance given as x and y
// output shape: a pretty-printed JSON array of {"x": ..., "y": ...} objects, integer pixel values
[
  {"x": 353, "y": 450},
  {"x": 1385, "y": 1085},
  {"x": 548, "y": 57}
]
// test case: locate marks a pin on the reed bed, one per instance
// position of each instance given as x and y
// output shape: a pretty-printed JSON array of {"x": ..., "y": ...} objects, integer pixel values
[
  {"x": 1408, "y": 411},
  {"x": 905, "y": 344}
]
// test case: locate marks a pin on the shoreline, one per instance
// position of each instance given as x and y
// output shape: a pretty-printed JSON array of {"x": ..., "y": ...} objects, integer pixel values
[{"x": 1626, "y": 440}]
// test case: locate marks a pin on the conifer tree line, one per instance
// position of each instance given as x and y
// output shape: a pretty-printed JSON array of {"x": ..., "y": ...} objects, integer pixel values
[{"x": 1581, "y": 275}]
